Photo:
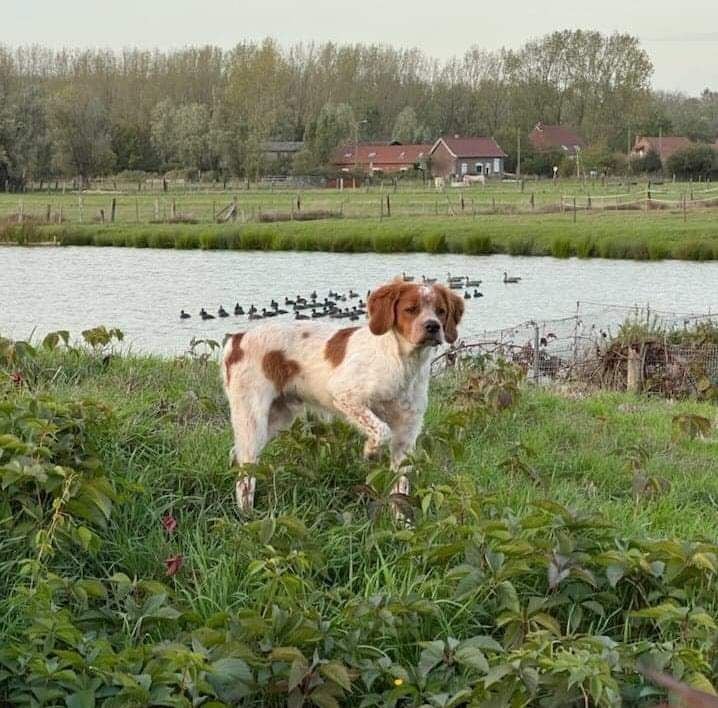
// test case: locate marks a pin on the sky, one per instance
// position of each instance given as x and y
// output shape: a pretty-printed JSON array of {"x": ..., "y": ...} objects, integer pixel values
[{"x": 681, "y": 39}]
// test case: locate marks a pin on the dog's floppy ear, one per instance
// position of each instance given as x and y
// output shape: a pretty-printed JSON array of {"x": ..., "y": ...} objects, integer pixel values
[
  {"x": 381, "y": 306},
  {"x": 454, "y": 312}
]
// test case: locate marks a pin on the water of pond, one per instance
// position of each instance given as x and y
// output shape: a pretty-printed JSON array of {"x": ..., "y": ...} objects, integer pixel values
[{"x": 141, "y": 291}]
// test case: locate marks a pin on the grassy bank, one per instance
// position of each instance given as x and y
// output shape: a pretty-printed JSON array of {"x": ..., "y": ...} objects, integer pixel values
[
  {"x": 557, "y": 544},
  {"x": 607, "y": 235}
]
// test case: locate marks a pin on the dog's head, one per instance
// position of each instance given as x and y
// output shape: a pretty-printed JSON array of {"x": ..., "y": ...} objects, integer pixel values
[{"x": 424, "y": 315}]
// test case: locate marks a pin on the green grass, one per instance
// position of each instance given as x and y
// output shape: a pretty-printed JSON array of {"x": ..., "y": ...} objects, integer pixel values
[
  {"x": 631, "y": 236},
  {"x": 314, "y": 565},
  {"x": 422, "y": 220},
  {"x": 201, "y": 202}
]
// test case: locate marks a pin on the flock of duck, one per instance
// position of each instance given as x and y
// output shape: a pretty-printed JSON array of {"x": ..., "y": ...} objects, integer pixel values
[{"x": 314, "y": 307}]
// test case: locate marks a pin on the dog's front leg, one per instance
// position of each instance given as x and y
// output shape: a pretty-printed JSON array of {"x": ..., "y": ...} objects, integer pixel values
[
  {"x": 362, "y": 417},
  {"x": 405, "y": 429}
]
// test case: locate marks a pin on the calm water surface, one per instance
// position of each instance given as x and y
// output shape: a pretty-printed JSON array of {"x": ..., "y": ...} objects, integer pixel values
[{"x": 141, "y": 291}]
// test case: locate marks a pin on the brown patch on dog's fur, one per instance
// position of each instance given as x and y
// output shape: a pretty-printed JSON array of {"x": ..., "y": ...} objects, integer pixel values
[
  {"x": 336, "y": 346},
  {"x": 278, "y": 369},
  {"x": 454, "y": 306},
  {"x": 382, "y": 305},
  {"x": 235, "y": 354},
  {"x": 305, "y": 335}
]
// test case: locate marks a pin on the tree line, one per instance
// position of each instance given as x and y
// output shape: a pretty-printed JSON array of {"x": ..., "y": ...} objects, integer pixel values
[{"x": 208, "y": 110}]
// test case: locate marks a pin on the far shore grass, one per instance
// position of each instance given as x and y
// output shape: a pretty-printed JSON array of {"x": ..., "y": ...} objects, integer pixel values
[{"x": 618, "y": 235}]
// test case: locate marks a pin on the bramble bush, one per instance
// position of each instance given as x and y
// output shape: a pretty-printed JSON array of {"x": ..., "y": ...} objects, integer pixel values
[{"x": 470, "y": 604}]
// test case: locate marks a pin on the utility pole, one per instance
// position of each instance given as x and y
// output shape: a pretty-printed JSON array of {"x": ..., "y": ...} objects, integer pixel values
[
  {"x": 356, "y": 143},
  {"x": 518, "y": 153}
]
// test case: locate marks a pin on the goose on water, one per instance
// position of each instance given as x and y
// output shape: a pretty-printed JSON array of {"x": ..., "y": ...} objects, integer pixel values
[
  {"x": 299, "y": 316},
  {"x": 252, "y": 309},
  {"x": 184, "y": 315},
  {"x": 467, "y": 295},
  {"x": 205, "y": 315},
  {"x": 407, "y": 278},
  {"x": 427, "y": 281},
  {"x": 511, "y": 279},
  {"x": 472, "y": 283},
  {"x": 238, "y": 309},
  {"x": 222, "y": 312},
  {"x": 477, "y": 293}
]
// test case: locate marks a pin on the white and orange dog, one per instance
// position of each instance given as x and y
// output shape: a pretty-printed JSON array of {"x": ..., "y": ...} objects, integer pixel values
[{"x": 375, "y": 376}]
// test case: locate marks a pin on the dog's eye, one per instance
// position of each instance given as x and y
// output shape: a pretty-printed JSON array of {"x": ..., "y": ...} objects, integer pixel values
[
  {"x": 440, "y": 311},
  {"x": 412, "y": 310}
]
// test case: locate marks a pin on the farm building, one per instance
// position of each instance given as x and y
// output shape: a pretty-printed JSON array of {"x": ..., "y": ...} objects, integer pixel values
[
  {"x": 664, "y": 146},
  {"x": 380, "y": 157},
  {"x": 459, "y": 157},
  {"x": 556, "y": 137},
  {"x": 281, "y": 149}
]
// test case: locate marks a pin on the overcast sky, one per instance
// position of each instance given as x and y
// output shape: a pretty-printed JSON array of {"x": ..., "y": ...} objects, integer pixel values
[{"x": 682, "y": 39}]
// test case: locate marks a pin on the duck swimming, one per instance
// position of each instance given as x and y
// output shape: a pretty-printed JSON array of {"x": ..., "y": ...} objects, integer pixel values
[
  {"x": 222, "y": 312},
  {"x": 184, "y": 315},
  {"x": 205, "y": 315},
  {"x": 238, "y": 309}
]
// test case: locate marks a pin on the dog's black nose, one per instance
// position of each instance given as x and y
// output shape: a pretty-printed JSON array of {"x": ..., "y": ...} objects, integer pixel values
[{"x": 432, "y": 327}]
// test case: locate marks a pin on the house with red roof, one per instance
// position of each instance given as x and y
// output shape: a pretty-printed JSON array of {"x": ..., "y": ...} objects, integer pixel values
[
  {"x": 458, "y": 157},
  {"x": 380, "y": 157},
  {"x": 544, "y": 138},
  {"x": 663, "y": 145}
]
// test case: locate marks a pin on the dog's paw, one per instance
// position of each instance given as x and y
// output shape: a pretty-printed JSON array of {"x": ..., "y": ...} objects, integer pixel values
[{"x": 244, "y": 493}]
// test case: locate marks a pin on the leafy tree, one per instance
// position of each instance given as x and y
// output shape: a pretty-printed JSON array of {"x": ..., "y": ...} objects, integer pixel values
[
  {"x": 407, "y": 129},
  {"x": 81, "y": 134},
  {"x": 693, "y": 161},
  {"x": 132, "y": 145},
  {"x": 650, "y": 162},
  {"x": 600, "y": 158},
  {"x": 335, "y": 125},
  {"x": 162, "y": 132},
  {"x": 190, "y": 131}
]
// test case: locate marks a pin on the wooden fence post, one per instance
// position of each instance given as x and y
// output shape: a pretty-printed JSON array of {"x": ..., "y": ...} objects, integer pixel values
[
  {"x": 113, "y": 208},
  {"x": 633, "y": 371},
  {"x": 574, "y": 210},
  {"x": 137, "y": 210},
  {"x": 81, "y": 209},
  {"x": 388, "y": 206}
]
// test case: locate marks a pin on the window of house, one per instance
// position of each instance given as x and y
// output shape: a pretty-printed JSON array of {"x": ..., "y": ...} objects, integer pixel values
[
  {"x": 487, "y": 168},
  {"x": 497, "y": 165},
  {"x": 464, "y": 168},
  {"x": 479, "y": 168}
]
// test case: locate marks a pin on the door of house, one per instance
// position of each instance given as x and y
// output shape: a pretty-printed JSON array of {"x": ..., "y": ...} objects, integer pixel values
[{"x": 464, "y": 168}]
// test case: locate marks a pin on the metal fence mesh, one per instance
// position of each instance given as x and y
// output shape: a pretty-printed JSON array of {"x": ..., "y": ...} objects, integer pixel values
[{"x": 594, "y": 345}]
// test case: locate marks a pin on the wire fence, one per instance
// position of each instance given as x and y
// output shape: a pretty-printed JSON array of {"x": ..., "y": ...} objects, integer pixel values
[
  {"x": 610, "y": 346},
  {"x": 151, "y": 204}
]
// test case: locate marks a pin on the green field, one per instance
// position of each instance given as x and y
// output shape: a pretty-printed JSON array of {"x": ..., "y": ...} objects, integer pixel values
[
  {"x": 558, "y": 543},
  {"x": 416, "y": 222},
  {"x": 203, "y": 204}
]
